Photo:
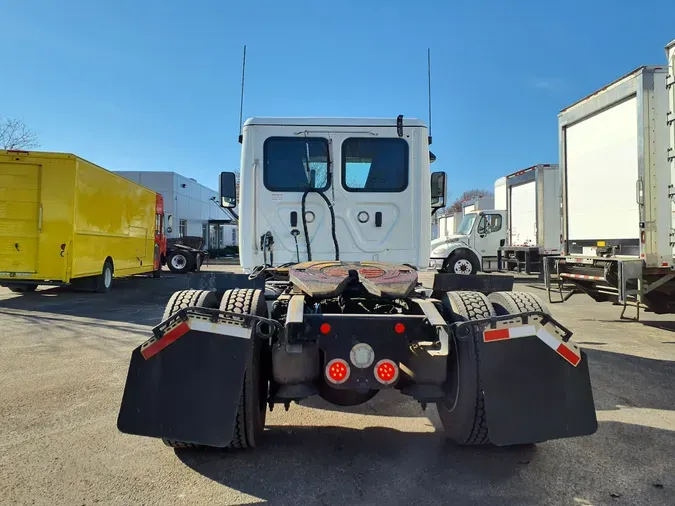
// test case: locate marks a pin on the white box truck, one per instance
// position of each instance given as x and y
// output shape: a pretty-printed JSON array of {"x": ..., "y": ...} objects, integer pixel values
[
  {"x": 531, "y": 198},
  {"x": 617, "y": 157},
  {"x": 447, "y": 224}
]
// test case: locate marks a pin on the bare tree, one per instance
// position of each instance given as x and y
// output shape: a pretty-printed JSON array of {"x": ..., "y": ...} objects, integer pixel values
[
  {"x": 467, "y": 195},
  {"x": 14, "y": 134}
]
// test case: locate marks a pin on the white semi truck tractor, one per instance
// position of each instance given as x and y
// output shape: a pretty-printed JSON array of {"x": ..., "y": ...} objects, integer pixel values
[{"x": 335, "y": 218}]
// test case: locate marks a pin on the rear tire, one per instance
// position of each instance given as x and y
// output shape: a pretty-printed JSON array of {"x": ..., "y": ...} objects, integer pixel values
[
  {"x": 516, "y": 302},
  {"x": 180, "y": 262},
  {"x": 104, "y": 280},
  {"x": 462, "y": 412},
  {"x": 190, "y": 298},
  {"x": 252, "y": 411},
  {"x": 22, "y": 288}
]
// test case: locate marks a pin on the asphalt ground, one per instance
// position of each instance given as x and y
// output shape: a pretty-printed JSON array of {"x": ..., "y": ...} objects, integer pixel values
[{"x": 63, "y": 364}]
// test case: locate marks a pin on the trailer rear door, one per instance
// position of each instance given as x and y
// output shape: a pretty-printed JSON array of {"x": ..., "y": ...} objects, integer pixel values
[
  {"x": 523, "y": 214},
  {"x": 602, "y": 171},
  {"x": 19, "y": 217}
]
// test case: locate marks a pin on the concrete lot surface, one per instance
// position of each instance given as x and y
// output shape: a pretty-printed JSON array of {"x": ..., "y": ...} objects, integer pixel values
[{"x": 63, "y": 364}]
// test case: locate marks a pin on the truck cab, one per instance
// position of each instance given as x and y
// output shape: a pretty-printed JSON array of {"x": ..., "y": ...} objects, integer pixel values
[
  {"x": 474, "y": 247},
  {"x": 357, "y": 191}
]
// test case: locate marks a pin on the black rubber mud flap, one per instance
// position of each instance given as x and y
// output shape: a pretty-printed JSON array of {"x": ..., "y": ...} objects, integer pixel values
[
  {"x": 532, "y": 394},
  {"x": 189, "y": 391}
]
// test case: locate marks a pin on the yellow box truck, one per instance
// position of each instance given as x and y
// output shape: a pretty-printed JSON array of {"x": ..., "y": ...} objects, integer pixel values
[{"x": 64, "y": 220}]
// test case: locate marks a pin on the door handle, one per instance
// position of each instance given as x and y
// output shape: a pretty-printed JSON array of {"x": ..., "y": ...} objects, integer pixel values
[
  {"x": 639, "y": 197},
  {"x": 294, "y": 219},
  {"x": 378, "y": 219}
]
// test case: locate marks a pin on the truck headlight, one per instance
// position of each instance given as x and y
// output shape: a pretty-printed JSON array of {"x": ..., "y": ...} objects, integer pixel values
[{"x": 441, "y": 251}]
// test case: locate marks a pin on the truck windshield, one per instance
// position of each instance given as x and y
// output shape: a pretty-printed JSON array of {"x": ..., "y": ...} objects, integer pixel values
[
  {"x": 467, "y": 224},
  {"x": 286, "y": 167}
]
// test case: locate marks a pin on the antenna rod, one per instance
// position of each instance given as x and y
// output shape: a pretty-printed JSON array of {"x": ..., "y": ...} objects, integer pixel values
[
  {"x": 241, "y": 101},
  {"x": 429, "y": 79}
]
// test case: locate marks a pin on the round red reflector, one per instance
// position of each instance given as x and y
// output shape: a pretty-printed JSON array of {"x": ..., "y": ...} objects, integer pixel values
[
  {"x": 399, "y": 328},
  {"x": 386, "y": 371},
  {"x": 325, "y": 328},
  {"x": 337, "y": 371}
]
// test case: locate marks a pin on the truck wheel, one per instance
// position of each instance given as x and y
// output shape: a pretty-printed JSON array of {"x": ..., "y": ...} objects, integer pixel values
[
  {"x": 460, "y": 262},
  {"x": 104, "y": 280},
  {"x": 462, "y": 412},
  {"x": 181, "y": 300},
  {"x": 22, "y": 288},
  {"x": 190, "y": 298},
  {"x": 252, "y": 410},
  {"x": 180, "y": 262},
  {"x": 516, "y": 302}
]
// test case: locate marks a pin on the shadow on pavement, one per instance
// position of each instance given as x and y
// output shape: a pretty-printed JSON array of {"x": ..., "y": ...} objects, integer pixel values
[
  {"x": 385, "y": 403},
  {"x": 618, "y": 379},
  {"x": 137, "y": 300},
  {"x": 330, "y": 465},
  {"x": 333, "y": 465}
]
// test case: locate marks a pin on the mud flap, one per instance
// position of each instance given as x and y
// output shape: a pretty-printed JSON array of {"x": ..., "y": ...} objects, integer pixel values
[
  {"x": 532, "y": 394},
  {"x": 189, "y": 390}
]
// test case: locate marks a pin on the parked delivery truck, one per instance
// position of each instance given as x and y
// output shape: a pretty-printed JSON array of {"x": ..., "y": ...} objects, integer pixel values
[
  {"x": 66, "y": 220},
  {"x": 520, "y": 226},
  {"x": 617, "y": 156},
  {"x": 532, "y": 202}
]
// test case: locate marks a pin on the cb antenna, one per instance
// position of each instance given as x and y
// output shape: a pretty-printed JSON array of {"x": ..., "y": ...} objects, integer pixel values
[
  {"x": 241, "y": 100},
  {"x": 429, "y": 82}
]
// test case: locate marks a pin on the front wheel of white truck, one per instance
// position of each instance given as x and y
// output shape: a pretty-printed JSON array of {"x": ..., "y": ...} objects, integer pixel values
[{"x": 461, "y": 262}]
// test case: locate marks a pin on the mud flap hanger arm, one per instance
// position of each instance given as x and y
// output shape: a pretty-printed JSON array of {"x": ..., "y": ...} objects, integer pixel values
[
  {"x": 218, "y": 316},
  {"x": 491, "y": 323}
]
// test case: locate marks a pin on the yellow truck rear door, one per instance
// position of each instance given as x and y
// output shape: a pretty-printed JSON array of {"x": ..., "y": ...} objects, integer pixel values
[{"x": 19, "y": 217}]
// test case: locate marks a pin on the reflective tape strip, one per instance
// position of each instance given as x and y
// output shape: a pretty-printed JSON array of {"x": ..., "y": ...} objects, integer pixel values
[
  {"x": 509, "y": 333},
  {"x": 567, "y": 351},
  {"x": 199, "y": 325},
  {"x": 164, "y": 341},
  {"x": 581, "y": 276},
  {"x": 224, "y": 329}
]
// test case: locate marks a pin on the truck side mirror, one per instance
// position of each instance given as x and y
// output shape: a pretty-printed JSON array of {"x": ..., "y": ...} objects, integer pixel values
[
  {"x": 437, "y": 190},
  {"x": 169, "y": 224},
  {"x": 228, "y": 190}
]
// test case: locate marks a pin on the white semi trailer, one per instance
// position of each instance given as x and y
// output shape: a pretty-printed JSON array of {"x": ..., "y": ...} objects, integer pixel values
[
  {"x": 617, "y": 157},
  {"x": 531, "y": 198}
]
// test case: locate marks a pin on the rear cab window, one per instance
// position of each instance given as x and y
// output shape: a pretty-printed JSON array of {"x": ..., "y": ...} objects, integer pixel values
[
  {"x": 295, "y": 164},
  {"x": 375, "y": 165}
]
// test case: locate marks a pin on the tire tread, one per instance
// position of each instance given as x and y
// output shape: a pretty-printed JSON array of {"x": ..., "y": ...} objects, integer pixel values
[{"x": 475, "y": 306}]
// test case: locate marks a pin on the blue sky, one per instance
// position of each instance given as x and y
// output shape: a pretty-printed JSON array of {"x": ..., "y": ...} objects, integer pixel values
[{"x": 154, "y": 85}]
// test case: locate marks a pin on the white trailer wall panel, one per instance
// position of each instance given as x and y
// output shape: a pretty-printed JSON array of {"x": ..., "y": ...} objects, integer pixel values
[
  {"x": 500, "y": 194},
  {"x": 523, "y": 214},
  {"x": 602, "y": 172}
]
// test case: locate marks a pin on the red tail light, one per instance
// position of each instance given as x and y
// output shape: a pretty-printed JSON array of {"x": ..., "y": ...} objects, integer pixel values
[
  {"x": 324, "y": 328},
  {"x": 337, "y": 371},
  {"x": 386, "y": 371},
  {"x": 399, "y": 328}
]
